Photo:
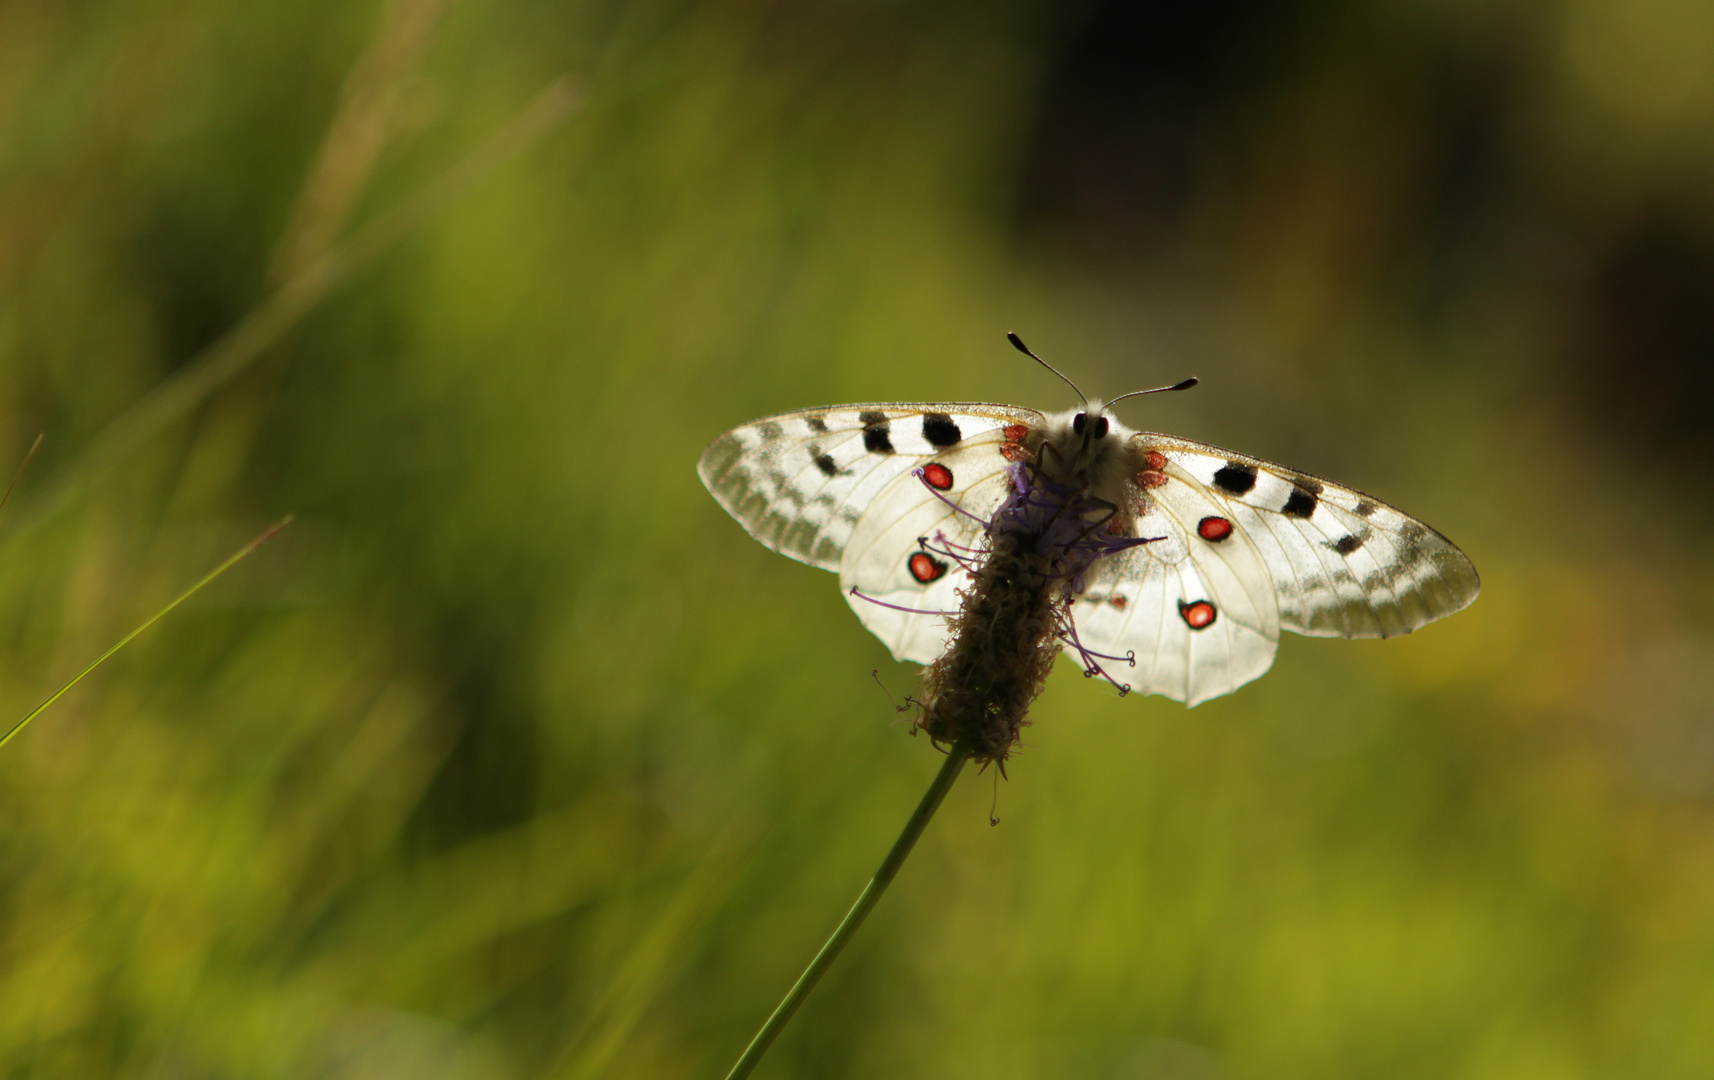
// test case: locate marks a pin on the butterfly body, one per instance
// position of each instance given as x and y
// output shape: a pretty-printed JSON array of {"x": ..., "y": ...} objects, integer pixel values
[
  {"x": 1083, "y": 448},
  {"x": 1176, "y": 563}
]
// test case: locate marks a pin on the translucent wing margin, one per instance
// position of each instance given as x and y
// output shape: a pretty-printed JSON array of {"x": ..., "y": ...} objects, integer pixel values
[{"x": 800, "y": 482}]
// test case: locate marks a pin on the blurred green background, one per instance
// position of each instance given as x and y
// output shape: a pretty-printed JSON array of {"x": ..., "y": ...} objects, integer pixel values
[{"x": 515, "y": 757}]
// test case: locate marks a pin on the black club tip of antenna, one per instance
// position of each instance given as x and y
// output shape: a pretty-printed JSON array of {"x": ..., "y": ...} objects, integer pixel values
[{"x": 1018, "y": 344}]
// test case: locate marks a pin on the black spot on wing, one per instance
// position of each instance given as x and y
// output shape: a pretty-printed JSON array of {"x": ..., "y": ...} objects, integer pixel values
[
  {"x": 1301, "y": 503},
  {"x": 825, "y": 463},
  {"x": 1345, "y": 545},
  {"x": 768, "y": 430},
  {"x": 940, "y": 430},
  {"x": 1365, "y": 508},
  {"x": 816, "y": 424},
  {"x": 1235, "y": 478},
  {"x": 877, "y": 433},
  {"x": 1314, "y": 487}
]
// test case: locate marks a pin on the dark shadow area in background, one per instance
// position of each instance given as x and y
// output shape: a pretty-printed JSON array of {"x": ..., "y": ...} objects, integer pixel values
[
  {"x": 1151, "y": 115},
  {"x": 1641, "y": 341},
  {"x": 1135, "y": 120}
]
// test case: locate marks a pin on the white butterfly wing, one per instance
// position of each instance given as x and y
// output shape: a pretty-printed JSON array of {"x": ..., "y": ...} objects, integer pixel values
[
  {"x": 799, "y": 482},
  {"x": 1343, "y": 564},
  {"x": 1265, "y": 548},
  {"x": 901, "y": 583},
  {"x": 1192, "y": 624}
]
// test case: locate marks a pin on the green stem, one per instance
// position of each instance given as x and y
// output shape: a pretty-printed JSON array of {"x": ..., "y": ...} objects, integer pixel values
[{"x": 931, "y": 800}]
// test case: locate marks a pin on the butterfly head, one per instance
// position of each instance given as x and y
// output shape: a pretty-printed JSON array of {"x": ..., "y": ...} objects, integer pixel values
[
  {"x": 1079, "y": 446},
  {"x": 1085, "y": 448}
]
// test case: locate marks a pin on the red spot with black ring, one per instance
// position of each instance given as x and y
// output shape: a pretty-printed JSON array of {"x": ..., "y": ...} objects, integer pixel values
[
  {"x": 926, "y": 568},
  {"x": 1198, "y": 614},
  {"x": 939, "y": 477},
  {"x": 1214, "y": 529}
]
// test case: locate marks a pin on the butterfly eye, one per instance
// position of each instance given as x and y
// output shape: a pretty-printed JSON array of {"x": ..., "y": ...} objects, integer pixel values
[
  {"x": 1101, "y": 428},
  {"x": 1077, "y": 423}
]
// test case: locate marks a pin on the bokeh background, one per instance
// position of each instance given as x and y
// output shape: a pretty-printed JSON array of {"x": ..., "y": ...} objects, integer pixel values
[{"x": 515, "y": 757}]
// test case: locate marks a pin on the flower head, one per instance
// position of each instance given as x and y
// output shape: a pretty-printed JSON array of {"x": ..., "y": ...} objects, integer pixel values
[{"x": 1038, "y": 547}]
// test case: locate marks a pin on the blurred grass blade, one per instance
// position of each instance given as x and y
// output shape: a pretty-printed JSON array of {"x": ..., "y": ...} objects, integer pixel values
[
  {"x": 365, "y": 119},
  {"x": 236, "y": 349},
  {"x": 22, "y": 465},
  {"x": 230, "y": 562},
  {"x": 638, "y": 982}
]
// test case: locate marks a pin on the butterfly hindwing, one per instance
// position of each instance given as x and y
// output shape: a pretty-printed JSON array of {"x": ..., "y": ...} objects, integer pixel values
[
  {"x": 799, "y": 482},
  {"x": 1193, "y": 623}
]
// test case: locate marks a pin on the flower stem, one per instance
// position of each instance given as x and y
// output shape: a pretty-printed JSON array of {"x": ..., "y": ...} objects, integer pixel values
[{"x": 955, "y": 759}]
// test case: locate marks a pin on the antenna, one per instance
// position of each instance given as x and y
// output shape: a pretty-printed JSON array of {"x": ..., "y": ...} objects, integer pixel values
[
  {"x": 1018, "y": 344},
  {"x": 1185, "y": 385}
]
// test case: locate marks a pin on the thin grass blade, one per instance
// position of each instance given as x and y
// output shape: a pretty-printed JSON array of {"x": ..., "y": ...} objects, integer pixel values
[{"x": 230, "y": 562}]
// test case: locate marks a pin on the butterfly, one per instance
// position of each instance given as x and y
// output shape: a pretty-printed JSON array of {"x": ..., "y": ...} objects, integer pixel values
[{"x": 1229, "y": 549}]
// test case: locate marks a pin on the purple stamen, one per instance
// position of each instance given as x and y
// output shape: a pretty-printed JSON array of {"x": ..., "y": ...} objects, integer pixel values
[
  {"x": 896, "y": 607},
  {"x": 940, "y": 538},
  {"x": 918, "y": 473},
  {"x": 965, "y": 562},
  {"x": 1130, "y": 657}
]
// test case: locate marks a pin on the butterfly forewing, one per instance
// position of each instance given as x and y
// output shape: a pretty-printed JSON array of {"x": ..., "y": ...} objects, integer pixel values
[
  {"x": 1342, "y": 563},
  {"x": 800, "y": 481}
]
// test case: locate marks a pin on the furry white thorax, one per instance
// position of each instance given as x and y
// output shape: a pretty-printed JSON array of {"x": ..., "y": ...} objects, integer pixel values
[{"x": 1102, "y": 463}]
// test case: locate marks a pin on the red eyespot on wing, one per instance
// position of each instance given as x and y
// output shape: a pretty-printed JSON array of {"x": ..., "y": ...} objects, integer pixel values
[
  {"x": 1198, "y": 614},
  {"x": 1015, "y": 432},
  {"x": 1151, "y": 479},
  {"x": 925, "y": 567},
  {"x": 1156, "y": 460},
  {"x": 1119, "y": 602},
  {"x": 1012, "y": 451},
  {"x": 1214, "y": 529},
  {"x": 938, "y": 476}
]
